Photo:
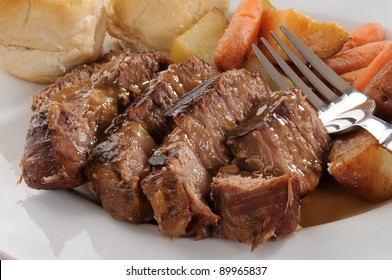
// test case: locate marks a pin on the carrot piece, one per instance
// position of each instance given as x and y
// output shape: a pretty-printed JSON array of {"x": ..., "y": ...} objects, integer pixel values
[
  {"x": 350, "y": 77},
  {"x": 356, "y": 58},
  {"x": 364, "y": 34},
  {"x": 238, "y": 37},
  {"x": 374, "y": 67}
]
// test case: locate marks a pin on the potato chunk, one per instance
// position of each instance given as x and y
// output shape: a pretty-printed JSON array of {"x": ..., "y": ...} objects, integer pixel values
[
  {"x": 201, "y": 39},
  {"x": 325, "y": 39},
  {"x": 267, "y": 5},
  {"x": 253, "y": 64},
  {"x": 380, "y": 89},
  {"x": 362, "y": 165}
]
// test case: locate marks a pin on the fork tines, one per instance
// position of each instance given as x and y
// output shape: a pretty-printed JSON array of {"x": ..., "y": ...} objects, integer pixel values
[
  {"x": 328, "y": 74},
  {"x": 339, "y": 113},
  {"x": 326, "y": 93}
]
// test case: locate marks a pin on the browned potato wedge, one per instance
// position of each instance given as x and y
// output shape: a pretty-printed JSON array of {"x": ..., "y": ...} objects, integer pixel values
[
  {"x": 362, "y": 165},
  {"x": 325, "y": 39},
  {"x": 267, "y": 5},
  {"x": 380, "y": 89}
]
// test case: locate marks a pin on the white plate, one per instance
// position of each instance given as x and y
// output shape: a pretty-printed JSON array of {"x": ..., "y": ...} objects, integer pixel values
[{"x": 63, "y": 225}]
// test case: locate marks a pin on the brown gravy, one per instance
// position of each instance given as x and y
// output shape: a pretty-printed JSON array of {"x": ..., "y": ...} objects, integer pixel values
[
  {"x": 331, "y": 202},
  {"x": 328, "y": 203}
]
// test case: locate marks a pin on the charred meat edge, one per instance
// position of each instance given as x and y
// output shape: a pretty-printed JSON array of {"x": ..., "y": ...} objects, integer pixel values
[
  {"x": 63, "y": 131},
  {"x": 194, "y": 151},
  {"x": 278, "y": 152},
  {"x": 117, "y": 165}
]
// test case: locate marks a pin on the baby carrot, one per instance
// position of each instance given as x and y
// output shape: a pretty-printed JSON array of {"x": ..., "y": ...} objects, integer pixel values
[
  {"x": 350, "y": 77},
  {"x": 356, "y": 58},
  {"x": 374, "y": 67},
  {"x": 364, "y": 34},
  {"x": 238, "y": 37}
]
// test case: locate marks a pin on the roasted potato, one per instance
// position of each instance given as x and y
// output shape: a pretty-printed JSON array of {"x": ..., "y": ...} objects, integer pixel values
[
  {"x": 380, "y": 89},
  {"x": 267, "y": 5},
  {"x": 201, "y": 39},
  {"x": 360, "y": 164},
  {"x": 325, "y": 39},
  {"x": 153, "y": 24}
]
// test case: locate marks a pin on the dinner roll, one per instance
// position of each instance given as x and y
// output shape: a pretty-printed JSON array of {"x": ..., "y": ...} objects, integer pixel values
[
  {"x": 41, "y": 40},
  {"x": 153, "y": 24}
]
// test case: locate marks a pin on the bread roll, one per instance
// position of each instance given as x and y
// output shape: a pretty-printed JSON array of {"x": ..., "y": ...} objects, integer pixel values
[
  {"x": 153, "y": 24},
  {"x": 42, "y": 39}
]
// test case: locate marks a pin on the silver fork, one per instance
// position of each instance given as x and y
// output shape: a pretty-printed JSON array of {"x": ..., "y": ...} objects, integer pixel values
[{"x": 339, "y": 114}]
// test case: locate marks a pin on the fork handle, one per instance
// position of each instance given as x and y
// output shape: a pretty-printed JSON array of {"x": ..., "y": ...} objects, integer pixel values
[
  {"x": 379, "y": 129},
  {"x": 386, "y": 140}
]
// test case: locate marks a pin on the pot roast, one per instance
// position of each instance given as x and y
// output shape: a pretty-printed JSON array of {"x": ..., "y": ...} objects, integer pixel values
[
  {"x": 279, "y": 154},
  {"x": 203, "y": 153},
  {"x": 179, "y": 185},
  {"x": 118, "y": 164},
  {"x": 66, "y": 125}
]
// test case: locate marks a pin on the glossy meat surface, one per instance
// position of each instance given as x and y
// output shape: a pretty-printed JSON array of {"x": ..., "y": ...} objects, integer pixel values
[
  {"x": 67, "y": 127},
  {"x": 197, "y": 148},
  {"x": 285, "y": 135},
  {"x": 117, "y": 165}
]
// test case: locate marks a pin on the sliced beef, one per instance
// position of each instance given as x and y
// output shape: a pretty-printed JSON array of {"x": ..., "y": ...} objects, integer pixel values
[
  {"x": 149, "y": 108},
  {"x": 76, "y": 76},
  {"x": 196, "y": 148},
  {"x": 115, "y": 168},
  {"x": 285, "y": 135},
  {"x": 211, "y": 111},
  {"x": 63, "y": 130},
  {"x": 117, "y": 165},
  {"x": 253, "y": 209},
  {"x": 279, "y": 154},
  {"x": 178, "y": 189}
]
